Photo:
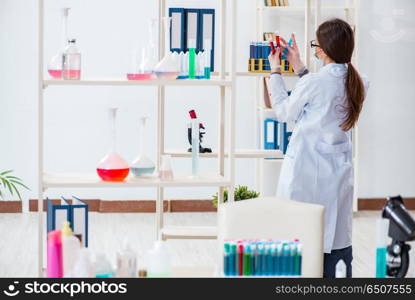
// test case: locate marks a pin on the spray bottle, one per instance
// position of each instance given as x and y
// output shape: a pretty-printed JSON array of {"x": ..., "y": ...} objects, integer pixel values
[
  {"x": 159, "y": 261},
  {"x": 70, "y": 246},
  {"x": 54, "y": 254},
  {"x": 126, "y": 261}
]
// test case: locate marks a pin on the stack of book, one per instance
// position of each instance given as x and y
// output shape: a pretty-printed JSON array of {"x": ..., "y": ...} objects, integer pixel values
[{"x": 276, "y": 2}]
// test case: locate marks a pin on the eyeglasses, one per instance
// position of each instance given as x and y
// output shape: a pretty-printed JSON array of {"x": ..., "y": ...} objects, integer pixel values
[{"x": 313, "y": 44}]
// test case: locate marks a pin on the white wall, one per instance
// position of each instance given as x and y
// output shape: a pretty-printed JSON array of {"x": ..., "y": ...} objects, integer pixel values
[
  {"x": 387, "y": 126},
  {"x": 76, "y": 135}
]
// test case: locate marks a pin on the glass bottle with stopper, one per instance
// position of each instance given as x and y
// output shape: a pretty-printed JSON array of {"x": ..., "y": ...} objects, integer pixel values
[
  {"x": 142, "y": 166},
  {"x": 113, "y": 167},
  {"x": 71, "y": 65}
]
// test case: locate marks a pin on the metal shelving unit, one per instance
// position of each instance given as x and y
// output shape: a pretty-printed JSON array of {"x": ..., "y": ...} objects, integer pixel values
[{"x": 224, "y": 81}]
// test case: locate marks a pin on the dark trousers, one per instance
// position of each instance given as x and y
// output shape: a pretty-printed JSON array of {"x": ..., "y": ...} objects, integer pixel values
[{"x": 331, "y": 259}]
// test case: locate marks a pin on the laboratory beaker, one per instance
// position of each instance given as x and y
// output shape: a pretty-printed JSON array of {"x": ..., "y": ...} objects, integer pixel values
[
  {"x": 165, "y": 172},
  {"x": 169, "y": 65},
  {"x": 55, "y": 63},
  {"x": 142, "y": 166},
  {"x": 71, "y": 65},
  {"x": 113, "y": 167}
]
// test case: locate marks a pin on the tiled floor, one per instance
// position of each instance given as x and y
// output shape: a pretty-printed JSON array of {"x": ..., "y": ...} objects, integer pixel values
[{"x": 18, "y": 233}]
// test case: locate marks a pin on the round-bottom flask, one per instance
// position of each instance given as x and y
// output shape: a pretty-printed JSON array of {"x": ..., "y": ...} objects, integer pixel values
[{"x": 113, "y": 167}]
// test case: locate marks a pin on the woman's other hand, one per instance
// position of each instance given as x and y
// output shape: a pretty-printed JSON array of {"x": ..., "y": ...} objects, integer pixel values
[
  {"x": 293, "y": 54},
  {"x": 274, "y": 60}
]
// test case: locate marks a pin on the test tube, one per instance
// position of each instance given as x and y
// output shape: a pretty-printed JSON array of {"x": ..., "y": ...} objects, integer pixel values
[
  {"x": 240, "y": 249},
  {"x": 247, "y": 260},
  {"x": 279, "y": 259},
  {"x": 254, "y": 255},
  {"x": 232, "y": 263},
  {"x": 273, "y": 258},
  {"x": 260, "y": 258},
  {"x": 226, "y": 259},
  {"x": 285, "y": 258}
]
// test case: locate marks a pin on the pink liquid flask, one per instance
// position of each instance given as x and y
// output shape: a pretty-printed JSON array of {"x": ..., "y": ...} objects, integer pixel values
[
  {"x": 71, "y": 74},
  {"x": 113, "y": 167},
  {"x": 55, "y": 74},
  {"x": 142, "y": 76}
]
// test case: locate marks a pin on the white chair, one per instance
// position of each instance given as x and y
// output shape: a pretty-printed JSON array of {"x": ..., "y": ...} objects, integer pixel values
[{"x": 273, "y": 218}]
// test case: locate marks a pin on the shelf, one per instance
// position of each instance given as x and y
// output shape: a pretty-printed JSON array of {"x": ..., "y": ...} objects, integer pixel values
[
  {"x": 125, "y": 82},
  {"x": 254, "y": 74},
  {"x": 300, "y": 9},
  {"x": 189, "y": 232},
  {"x": 64, "y": 180},
  {"x": 244, "y": 153}
]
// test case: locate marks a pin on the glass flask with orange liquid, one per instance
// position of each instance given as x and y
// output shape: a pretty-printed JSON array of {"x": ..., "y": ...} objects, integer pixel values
[{"x": 113, "y": 167}]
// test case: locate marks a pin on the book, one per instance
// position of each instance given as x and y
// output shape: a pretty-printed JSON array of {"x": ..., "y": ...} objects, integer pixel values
[{"x": 267, "y": 93}]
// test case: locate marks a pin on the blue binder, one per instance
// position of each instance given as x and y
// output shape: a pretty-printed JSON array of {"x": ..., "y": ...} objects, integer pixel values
[
  {"x": 199, "y": 30},
  {"x": 270, "y": 134},
  {"x": 76, "y": 213},
  {"x": 192, "y": 27},
  {"x": 284, "y": 137},
  {"x": 178, "y": 23},
  {"x": 207, "y": 33},
  {"x": 56, "y": 214}
]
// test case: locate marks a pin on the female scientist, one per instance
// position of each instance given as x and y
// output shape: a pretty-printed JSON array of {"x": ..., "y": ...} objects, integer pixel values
[{"x": 325, "y": 106}]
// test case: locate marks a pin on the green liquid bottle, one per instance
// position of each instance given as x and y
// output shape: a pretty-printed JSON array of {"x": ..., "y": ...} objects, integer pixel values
[{"x": 192, "y": 59}]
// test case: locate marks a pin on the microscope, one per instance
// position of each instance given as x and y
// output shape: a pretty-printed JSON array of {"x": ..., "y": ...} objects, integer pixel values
[
  {"x": 401, "y": 230},
  {"x": 202, "y": 132}
]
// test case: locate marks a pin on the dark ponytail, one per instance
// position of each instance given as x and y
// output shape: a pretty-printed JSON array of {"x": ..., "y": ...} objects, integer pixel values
[{"x": 336, "y": 38}]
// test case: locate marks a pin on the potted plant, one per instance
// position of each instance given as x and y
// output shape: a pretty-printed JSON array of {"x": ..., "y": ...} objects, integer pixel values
[
  {"x": 241, "y": 193},
  {"x": 11, "y": 184}
]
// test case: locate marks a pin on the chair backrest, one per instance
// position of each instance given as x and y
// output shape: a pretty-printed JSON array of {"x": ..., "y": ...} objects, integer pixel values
[{"x": 273, "y": 218}]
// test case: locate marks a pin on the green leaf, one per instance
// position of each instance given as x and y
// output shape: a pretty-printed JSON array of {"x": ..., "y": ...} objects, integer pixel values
[
  {"x": 17, "y": 192},
  {"x": 6, "y": 172},
  {"x": 13, "y": 177},
  {"x": 7, "y": 183},
  {"x": 20, "y": 183}
]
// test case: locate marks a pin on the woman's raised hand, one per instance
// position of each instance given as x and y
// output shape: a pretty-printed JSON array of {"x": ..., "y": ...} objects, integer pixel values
[
  {"x": 274, "y": 60},
  {"x": 293, "y": 54}
]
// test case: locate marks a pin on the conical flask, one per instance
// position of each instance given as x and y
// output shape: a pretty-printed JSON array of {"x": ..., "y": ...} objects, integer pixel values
[
  {"x": 113, "y": 167},
  {"x": 139, "y": 67},
  {"x": 142, "y": 166},
  {"x": 169, "y": 65},
  {"x": 55, "y": 63}
]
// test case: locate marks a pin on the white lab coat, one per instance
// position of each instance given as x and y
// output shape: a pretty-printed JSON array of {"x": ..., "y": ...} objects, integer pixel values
[{"x": 317, "y": 167}]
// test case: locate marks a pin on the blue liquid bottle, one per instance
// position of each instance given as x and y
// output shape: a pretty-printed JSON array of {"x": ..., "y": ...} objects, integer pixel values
[{"x": 381, "y": 245}]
